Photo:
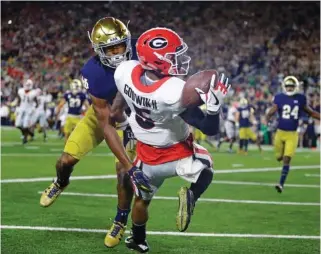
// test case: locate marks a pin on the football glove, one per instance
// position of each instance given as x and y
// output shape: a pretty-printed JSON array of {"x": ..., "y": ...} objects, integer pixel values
[
  {"x": 139, "y": 180},
  {"x": 213, "y": 99}
]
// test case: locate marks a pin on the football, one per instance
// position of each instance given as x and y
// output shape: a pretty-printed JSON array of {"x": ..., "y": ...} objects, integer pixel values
[{"x": 201, "y": 80}]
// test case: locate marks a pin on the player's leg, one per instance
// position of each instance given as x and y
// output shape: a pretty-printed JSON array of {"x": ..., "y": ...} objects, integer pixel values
[
  {"x": 27, "y": 124},
  {"x": 255, "y": 139},
  {"x": 137, "y": 241},
  {"x": 124, "y": 192},
  {"x": 246, "y": 136},
  {"x": 201, "y": 175},
  {"x": 230, "y": 133},
  {"x": 82, "y": 140},
  {"x": 18, "y": 124},
  {"x": 291, "y": 143},
  {"x": 27, "y": 127},
  {"x": 157, "y": 174},
  {"x": 69, "y": 126},
  {"x": 43, "y": 125},
  {"x": 242, "y": 137}
]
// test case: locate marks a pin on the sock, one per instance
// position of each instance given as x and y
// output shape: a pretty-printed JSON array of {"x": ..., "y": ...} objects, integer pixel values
[
  {"x": 231, "y": 145},
  {"x": 31, "y": 133},
  {"x": 122, "y": 215},
  {"x": 241, "y": 143},
  {"x": 284, "y": 174},
  {"x": 63, "y": 174},
  {"x": 219, "y": 144},
  {"x": 202, "y": 183},
  {"x": 245, "y": 142},
  {"x": 139, "y": 233}
]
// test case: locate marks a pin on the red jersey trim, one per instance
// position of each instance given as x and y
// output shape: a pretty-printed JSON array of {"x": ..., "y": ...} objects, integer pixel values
[
  {"x": 137, "y": 73},
  {"x": 154, "y": 156}
]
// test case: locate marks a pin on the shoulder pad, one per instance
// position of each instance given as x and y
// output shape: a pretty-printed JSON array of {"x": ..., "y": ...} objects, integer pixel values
[
  {"x": 123, "y": 68},
  {"x": 175, "y": 85}
]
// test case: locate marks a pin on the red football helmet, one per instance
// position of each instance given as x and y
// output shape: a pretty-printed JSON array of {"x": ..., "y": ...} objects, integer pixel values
[{"x": 162, "y": 50}]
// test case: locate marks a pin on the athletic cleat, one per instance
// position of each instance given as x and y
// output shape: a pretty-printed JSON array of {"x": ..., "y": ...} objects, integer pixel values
[
  {"x": 185, "y": 208},
  {"x": 142, "y": 247},
  {"x": 279, "y": 188},
  {"x": 114, "y": 235},
  {"x": 50, "y": 195}
]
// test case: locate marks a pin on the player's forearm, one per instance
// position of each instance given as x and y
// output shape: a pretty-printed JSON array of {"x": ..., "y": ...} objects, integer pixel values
[
  {"x": 208, "y": 124},
  {"x": 115, "y": 144}
]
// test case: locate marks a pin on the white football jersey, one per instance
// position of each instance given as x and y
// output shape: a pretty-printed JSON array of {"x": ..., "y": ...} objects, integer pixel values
[
  {"x": 43, "y": 100},
  {"x": 231, "y": 114},
  {"x": 27, "y": 98},
  {"x": 155, "y": 109}
]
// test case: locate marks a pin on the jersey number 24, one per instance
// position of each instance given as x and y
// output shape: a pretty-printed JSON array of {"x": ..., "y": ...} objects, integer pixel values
[{"x": 287, "y": 112}]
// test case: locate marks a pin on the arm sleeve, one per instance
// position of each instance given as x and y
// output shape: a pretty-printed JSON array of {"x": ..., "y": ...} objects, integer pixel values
[{"x": 208, "y": 124}]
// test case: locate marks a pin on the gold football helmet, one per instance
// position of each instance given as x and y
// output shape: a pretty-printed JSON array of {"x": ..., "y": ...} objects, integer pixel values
[
  {"x": 290, "y": 85},
  {"x": 243, "y": 102},
  {"x": 75, "y": 86},
  {"x": 109, "y": 32}
]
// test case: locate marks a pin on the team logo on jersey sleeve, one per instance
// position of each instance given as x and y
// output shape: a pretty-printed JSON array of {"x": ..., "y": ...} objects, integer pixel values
[{"x": 158, "y": 43}]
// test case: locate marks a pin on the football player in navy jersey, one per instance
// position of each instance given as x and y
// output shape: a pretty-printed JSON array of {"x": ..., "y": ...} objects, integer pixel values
[
  {"x": 112, "y": 43},
  {"x": 290, "y": 105},
  {"x": 75, "y": 99},
  {"x": 244, "y": 119}
]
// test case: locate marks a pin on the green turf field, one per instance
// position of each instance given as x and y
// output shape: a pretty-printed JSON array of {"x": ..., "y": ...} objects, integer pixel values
[{"x": 240, "y": 213}]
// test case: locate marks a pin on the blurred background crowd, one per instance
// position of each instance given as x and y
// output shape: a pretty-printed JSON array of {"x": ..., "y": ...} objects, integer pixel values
[{"x": 255, "y": 43}]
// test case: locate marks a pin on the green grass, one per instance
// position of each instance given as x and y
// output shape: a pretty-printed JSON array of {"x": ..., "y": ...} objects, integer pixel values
[{"x": 20, "y": 205}]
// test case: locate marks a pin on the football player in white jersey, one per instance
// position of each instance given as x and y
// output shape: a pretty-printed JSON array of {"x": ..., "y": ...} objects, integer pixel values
[
  {"x": 26, "y": 100},
  {"x": 40, "y": 113},
  {"x": 230, "y": 127},
  {"x": 165, "y": 146}
]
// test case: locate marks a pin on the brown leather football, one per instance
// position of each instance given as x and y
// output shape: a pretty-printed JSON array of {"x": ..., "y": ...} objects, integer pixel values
[{"x": 201, "y": 80}]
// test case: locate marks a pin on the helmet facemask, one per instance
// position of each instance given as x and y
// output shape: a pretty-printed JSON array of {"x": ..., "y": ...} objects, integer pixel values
[
  {"x": 113, "y": 61},
  {"x": 290, "y": 86},
  {"x": 179, "y": 61}
]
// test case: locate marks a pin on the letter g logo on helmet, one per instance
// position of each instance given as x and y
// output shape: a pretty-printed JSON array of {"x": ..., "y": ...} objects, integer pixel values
[{"x": 158, "y": 43}]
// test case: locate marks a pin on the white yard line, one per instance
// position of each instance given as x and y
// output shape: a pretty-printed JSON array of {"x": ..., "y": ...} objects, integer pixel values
[
  {"x": 169, "y": 233},
  {"x": 223, "y": 171},
  {"x": 265, "y": 184},
  {"x": 217, "y": 200},
  {"x": 312, "y": 175}
]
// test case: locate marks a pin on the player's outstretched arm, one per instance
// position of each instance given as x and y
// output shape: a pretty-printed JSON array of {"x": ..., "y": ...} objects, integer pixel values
[
  {"x": 311, "y": 112},
  {"x": 208, "y": 124},
  {"x": 102, "y": 111},
  {"x": 271, "y": 112}
]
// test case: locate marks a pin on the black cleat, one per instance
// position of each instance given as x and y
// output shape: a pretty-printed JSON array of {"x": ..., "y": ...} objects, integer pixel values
[
  {"x": 141, "y": 248},
  {"x": 279, "y": 188}
]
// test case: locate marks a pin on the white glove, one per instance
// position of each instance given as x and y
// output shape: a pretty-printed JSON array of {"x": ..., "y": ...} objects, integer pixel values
[{"x": 214, "y": 98}]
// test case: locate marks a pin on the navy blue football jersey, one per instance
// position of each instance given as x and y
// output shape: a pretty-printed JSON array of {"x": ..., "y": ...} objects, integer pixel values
[
  {"x": 99, "y": 79},
  {"x": 244, "y": 119},
  {"x": 290, "y": 109},
  {"x": 75, "y": 102}
]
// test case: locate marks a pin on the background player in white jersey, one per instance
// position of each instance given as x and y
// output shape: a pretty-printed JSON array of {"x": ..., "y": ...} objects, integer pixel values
[
  {"x": 160, "y": 123},
  {"x": 26, "y": 99},
  {"x": 230, "y": 127},
  {"x": 40, "y": 114}
]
